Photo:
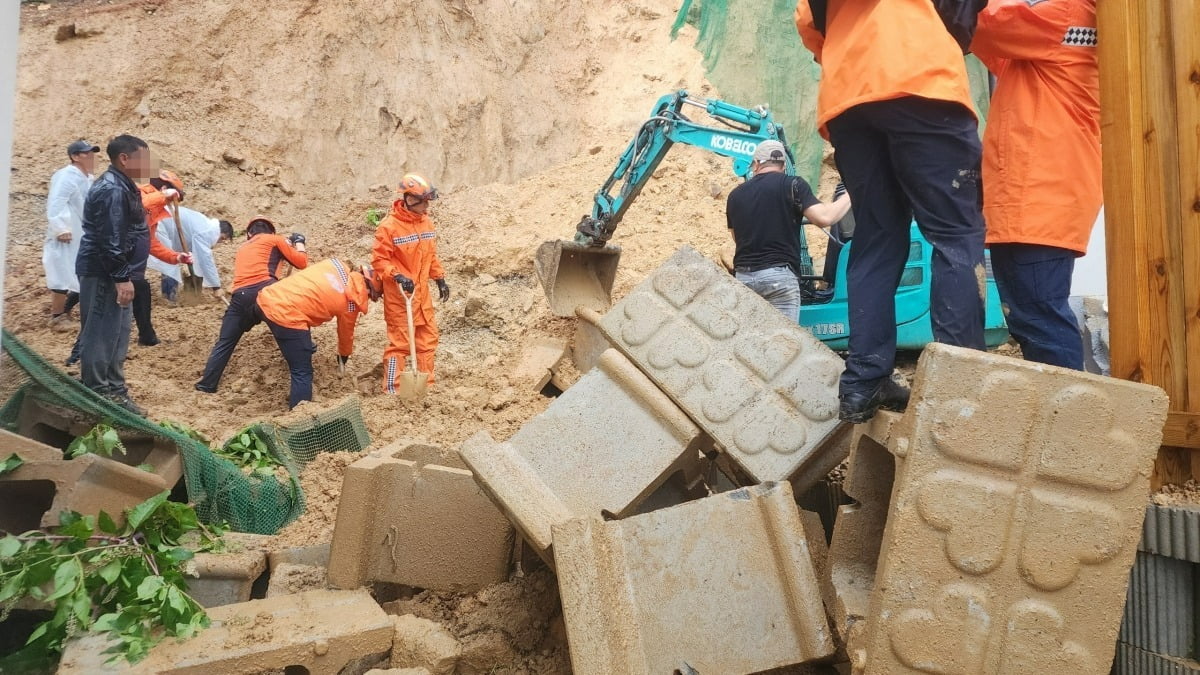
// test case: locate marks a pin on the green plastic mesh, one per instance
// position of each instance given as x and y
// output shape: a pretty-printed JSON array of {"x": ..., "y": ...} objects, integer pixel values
[
  {"x": 753, "y": 55},
  {"x": 339, "y": 428},
  {"x": 219, "y": 490}
]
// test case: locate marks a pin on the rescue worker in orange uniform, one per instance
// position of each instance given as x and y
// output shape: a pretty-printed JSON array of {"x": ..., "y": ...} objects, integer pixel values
[
  {"x": 1041, "y": 164},
  {"x": 166, "y": 189},
  {"x": 321, "y": 292},
  {"x": 255, "y": 266},
  {"x": 405, "y": 253},
  {"x": 895, "y": 102}
]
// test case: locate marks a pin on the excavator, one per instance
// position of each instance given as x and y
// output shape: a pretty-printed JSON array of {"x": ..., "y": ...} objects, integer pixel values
[{"x": 580, "y": 273}]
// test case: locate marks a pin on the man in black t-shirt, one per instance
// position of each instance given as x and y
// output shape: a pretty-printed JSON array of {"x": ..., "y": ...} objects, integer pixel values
[{"x": 764, "y": 219}]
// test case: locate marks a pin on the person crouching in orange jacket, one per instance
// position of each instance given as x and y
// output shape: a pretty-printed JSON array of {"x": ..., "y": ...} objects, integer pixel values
[
  {"x": 321, "y": 292},
  {"x": 405, "y": 253}
]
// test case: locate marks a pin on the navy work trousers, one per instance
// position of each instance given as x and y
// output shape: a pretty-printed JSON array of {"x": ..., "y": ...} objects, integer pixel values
[
  {"x": 902, "y": 159},
  {"x": 1035, "y": 284},
  {"x": 240, "y": 316},
  {"x": 297, "y": 348}
]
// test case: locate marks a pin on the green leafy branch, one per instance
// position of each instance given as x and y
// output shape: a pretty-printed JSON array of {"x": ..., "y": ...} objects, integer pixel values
[
  {"x": 249, "y": 449},
  {"x": 124, "y": 580},
  {"x": 101, "y": 440},
  {"x": 375, "y": 215}
]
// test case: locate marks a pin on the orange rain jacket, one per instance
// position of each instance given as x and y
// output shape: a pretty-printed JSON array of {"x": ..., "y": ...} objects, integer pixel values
[
  {"x": 155, "y": 204},
  {"x": 259, "y": 258},
  {"x": 1041, "y": 151},
  {"x": 406, "y": 243},
  {"x": 877, "y": 51},
  {"x": 324, "y": 291}
]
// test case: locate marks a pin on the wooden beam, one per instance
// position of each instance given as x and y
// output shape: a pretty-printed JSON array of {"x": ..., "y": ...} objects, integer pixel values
[
  {"x": 1182, "y": 430},
  {"x": 1184, "y": 18}
]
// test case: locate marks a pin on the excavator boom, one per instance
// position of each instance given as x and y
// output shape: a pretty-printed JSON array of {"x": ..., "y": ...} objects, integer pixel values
[{"x": 580, "y": 273}]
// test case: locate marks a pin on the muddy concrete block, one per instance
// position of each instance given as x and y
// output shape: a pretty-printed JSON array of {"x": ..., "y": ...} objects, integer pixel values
[
  {"x": 399, "y": 671},
  {"x": 537, "y": 363},
  {"x": 25, "y": 448},
  {"x": 589, "y": 342},
  {"x": 38, "y": 491},
  {"x": 57, "y": 426},
  {"x": 289, "y": 579},
  {"x": 724, "y": 584},
  {"x": 1162, "y": 606},
  {"x": 309, "y": 556},
  {"x": 228, "y": 577},
  {"x": 421, "y": 643},
  {"x": 515, "y": 486},
  {"x": 602, "y": 447},
  {"x": 763, "y": 387},
  {"x": 858, "y": 528},
  {"x": 320, "y": 632},
  {"x": 1014, "y": 519},
  {"x": 404, "y": 522}
]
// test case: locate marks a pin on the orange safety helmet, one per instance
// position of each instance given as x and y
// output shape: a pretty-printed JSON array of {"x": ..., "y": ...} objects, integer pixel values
[
  {"x": 418, "y": 187},
  {"x": 171, "y": 178},
  {"x": 374, "y": 283}
]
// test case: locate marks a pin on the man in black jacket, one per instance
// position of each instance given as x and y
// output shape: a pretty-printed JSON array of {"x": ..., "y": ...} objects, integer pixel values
[{"x": 116, "y": 242}]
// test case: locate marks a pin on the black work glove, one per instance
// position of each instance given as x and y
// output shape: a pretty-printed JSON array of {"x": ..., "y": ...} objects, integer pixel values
[
  {"x": 296, "y": 238},
  {"x": 443, "y": 290},
  {"x": 405, "y": 283},
  {"x": 839, "y": 191}
]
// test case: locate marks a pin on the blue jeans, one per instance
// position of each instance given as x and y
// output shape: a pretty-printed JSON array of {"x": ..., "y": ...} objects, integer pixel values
[
  {"x": 104, "y": 339},
  {"x": 778, "y": 286},
  {"x": 903, "y": 159},
  {"x": 1035, "y": 284}
]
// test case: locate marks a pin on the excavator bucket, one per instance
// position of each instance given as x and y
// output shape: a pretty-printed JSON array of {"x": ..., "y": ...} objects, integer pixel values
[{"x": 575, "y": 275}]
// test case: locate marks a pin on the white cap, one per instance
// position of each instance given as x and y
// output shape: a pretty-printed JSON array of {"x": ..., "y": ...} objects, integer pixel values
[{"x": 770, "y": 151}]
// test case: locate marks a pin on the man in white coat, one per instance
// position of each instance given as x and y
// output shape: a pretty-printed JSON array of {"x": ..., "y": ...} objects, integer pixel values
[
  {"x": 64, "y": 214},
  {"x": 203, "y": 234}
]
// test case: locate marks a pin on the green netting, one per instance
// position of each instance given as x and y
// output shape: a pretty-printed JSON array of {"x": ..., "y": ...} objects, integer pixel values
[
  {"x": 217, "y": 487},
  {"x": 303, "y": 434},
  {"x": 753, "y": 55}
]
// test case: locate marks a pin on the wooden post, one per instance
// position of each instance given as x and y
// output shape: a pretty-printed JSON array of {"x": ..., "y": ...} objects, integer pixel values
[{"x": 1150, "y": 123}]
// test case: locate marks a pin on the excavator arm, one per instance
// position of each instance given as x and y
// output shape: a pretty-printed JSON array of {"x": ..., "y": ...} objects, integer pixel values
[
  {"x": 581, "y": 273},
  {"x": 743, "y": 130}
]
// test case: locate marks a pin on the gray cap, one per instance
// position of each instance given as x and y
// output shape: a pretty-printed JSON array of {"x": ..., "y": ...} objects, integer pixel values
[
  {"x": 770, "y": 151},
  {"x": 81, "y": 146}
]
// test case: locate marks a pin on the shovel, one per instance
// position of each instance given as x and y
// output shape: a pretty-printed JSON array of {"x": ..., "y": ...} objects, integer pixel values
[
  {"x": 192, "y": 291},
  {"x": 412, "y": 384}
]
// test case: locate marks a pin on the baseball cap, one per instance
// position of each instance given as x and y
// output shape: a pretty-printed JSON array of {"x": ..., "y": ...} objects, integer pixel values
[
  {"x": 81, "y": 146},
  {"x": 770, "y": 151}
]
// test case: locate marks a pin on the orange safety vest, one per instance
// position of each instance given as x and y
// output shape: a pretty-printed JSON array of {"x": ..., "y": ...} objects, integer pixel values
[
  {"x": 1041, "y": 151},
  {"x": 324, "y": 291},
  {"x": 406, "y": 243},
  {"x": 878, "y": 51}
]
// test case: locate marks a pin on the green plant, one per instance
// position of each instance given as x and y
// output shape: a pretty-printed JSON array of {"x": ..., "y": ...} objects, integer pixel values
[
  {"x": 9, "y": 465},
  {"x": 126, "y": 581},
  {"x": 186, "y": 431},
  {"x": 375, "y": 215},
  {"x": 248, "y": 449},
  {"x": 101, "y": 440}
]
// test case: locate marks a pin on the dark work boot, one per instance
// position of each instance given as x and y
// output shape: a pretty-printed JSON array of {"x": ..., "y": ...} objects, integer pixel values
[{"x": 859, "y": 407}]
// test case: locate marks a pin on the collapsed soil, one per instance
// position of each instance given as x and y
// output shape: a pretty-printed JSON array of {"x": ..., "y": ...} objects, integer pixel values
[
  {"x": 1187, "y": 494},
  {"x": 309, "y": 112}
]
